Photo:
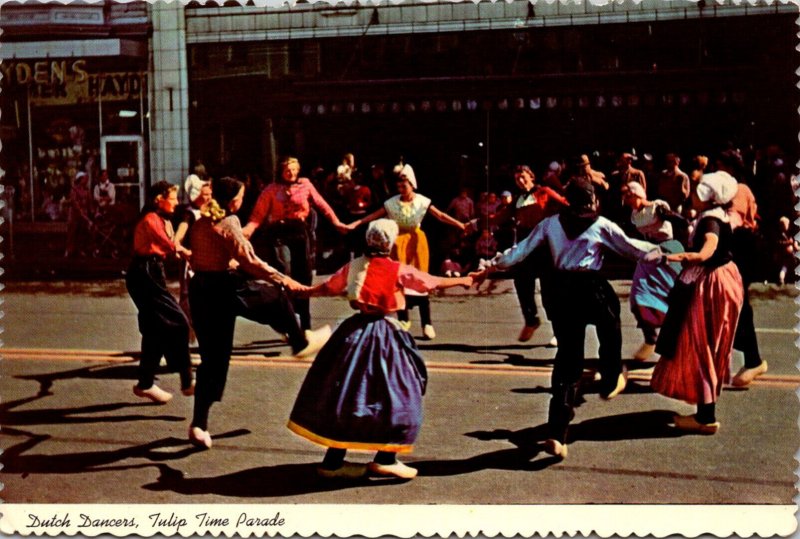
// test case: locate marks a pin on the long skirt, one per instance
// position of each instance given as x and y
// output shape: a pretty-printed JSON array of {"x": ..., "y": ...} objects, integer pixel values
[
  {"x": 411, "y": 247},
  {"x": 651, "y": 286},
  {"x": 701, "y": 361},
  {"x": 364, "y": 390}
]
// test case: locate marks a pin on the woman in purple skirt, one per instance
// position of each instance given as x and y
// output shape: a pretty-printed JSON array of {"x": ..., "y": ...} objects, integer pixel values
[{"x": 364, "y": 389}]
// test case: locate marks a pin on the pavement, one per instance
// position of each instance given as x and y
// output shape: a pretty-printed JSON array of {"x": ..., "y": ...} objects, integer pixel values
[{"x": 74, "y": 433}]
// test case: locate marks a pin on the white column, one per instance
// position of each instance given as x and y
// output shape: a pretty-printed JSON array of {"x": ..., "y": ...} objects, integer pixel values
[{"x": 169, "y": 94}]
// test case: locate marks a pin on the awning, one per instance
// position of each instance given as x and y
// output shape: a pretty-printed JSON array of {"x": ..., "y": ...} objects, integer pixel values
[{"x": 81, "y": 48}]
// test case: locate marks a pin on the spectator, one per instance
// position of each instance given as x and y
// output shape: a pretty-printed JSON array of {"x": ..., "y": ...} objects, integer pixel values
[
  {"x": 487, "y": 208},
  {"x": 673, "y": 184},
  {"x": 104, "y": 193},
  {"x": 78, "y": 221},
  {"x": 622, "y": 176},
  {"x": 462, "y": 208},
  {"x": 485, "y": 247},
  {"x": 583, "y": 169},
  {"x": 552, "y": 178}
]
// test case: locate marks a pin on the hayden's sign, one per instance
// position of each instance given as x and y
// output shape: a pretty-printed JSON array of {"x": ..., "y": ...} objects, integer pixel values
[{"x": 67, "y": 82}]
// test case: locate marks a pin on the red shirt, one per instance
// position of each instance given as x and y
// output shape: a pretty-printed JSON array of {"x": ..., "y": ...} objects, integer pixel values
[
  {"x": 279, "y": 201},
  {"x": 153, "y": 236},
  {"x": 214, "y": 245}
]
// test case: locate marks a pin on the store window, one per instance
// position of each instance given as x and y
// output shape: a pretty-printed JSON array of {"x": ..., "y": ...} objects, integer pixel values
[{"x": 63, "y": 113}]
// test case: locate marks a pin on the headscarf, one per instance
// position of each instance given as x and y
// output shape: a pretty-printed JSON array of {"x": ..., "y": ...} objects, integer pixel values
[
  {"x": 408, "y": 172},
  {"x": 192, "y": 186},
  {"x": 637, "y": 189},
  {"x": 225, "y": 190},
  {"x": 582, "y": 210},
  {"x": 381, "y": 235},
  {"x": 718, "y": 188},
  {"x": 344, "y": 173}
]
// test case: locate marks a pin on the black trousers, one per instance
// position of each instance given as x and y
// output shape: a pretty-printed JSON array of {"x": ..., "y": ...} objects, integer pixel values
[
  {"x": 424, "y": 304},
  {"x": 581, "y": 299},
  {"x": 525, "y": 274},
  {"x": 286, "y": 246},
  {"x": 745, "y": 256},
  {"x": 162, "y": 323},
  {"x": 216, "y": 299}
]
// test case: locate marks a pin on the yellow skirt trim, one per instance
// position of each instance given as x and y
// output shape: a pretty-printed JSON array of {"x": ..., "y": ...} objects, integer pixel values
[
  {"x": 411, "y": 247},
  {"x": 360, "y": 446}
]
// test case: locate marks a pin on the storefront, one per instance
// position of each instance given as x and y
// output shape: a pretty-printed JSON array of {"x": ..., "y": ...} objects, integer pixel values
[{"x": 67, "y": 115}]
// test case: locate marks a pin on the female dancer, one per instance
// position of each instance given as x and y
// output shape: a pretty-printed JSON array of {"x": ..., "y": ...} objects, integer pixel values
[
  {"x": 162, "y": 323},
  {"x": 407, "y": 209},
  {"x": 199, "y": 194},
  {"x": 285, "y": 240},
  {"x": 217, "y": 296},
  {"x": 696, "y": 340},
  {"x": 364, "y": 390},
  {"x": 651, "y": 282},
  {"x": 534, "y": 203}
]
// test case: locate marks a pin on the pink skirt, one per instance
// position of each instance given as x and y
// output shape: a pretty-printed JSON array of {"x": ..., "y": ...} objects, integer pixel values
[{"x": 703, "y": 354}]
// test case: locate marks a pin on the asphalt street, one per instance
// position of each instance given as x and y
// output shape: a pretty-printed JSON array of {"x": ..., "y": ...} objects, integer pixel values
[{"x": 74, "y": 433}]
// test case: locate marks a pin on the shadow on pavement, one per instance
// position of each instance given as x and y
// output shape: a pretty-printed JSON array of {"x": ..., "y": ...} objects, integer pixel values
[
  {"x": 262, "y": 482},
  {"x": 124, "y": 371},
  {"x": 62, "y": 416},
  {"x": 260, "y": 346},
  {"x": 528, "y": 442},
  {"x": 16, "y": 459}
]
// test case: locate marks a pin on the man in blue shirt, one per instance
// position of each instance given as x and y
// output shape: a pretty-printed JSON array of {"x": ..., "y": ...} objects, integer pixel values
[{"x": 577, "y": 238}]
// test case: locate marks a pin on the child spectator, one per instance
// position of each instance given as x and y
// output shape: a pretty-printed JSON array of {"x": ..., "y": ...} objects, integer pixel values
[{"x": 485, "y": 247}]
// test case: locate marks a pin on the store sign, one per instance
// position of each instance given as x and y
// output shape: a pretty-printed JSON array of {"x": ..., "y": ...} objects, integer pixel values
[
  {"x": 67, "y": 82},
  {"x": 43, "y": 72}
]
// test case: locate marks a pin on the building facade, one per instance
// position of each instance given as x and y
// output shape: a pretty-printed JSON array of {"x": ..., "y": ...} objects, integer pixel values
[
  {"x": 74, "y": 98},
  {"x": 461, "y": 89}
]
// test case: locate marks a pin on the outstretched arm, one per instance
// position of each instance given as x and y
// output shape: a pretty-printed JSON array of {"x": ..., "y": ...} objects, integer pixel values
[
  {"x": 709, "y": 246},
  {"x": 446, "y": 219},
  {"x": 377, "y": 214},
  {"x": 260, "y": 211},
  {"x": 420, "y": 281}
]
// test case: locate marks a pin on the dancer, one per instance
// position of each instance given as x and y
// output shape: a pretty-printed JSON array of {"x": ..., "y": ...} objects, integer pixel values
[
  {"x": 534, "y": 203},
  {"x": 696, "y": 340},
  {"x": 743, "y": 213},
  {"x": 577, "y": 238},
  {"x": 199, "y": 194},
  {"x": 364, "y": 390},
  {"x": 162, "y": 323},
  {"x": 407, "y": 209},
  {"x": 651, "y": 283},
  {"x": 217, "y": 296},
  {"x": 284, "y": 240}
]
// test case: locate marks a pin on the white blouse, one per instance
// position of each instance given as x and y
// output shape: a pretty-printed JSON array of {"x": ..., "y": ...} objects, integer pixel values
[{"x": 407, "y": 215}]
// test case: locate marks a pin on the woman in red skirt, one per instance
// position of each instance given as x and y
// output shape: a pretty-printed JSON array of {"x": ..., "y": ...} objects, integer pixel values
[{"x": 696, "y": 340}]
